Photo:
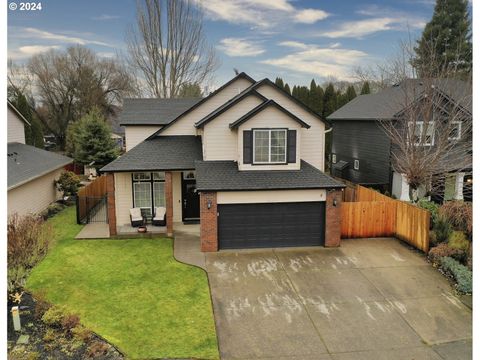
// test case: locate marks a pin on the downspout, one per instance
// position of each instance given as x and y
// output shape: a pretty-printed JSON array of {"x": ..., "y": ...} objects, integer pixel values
[{"x": 330, "y": 157}]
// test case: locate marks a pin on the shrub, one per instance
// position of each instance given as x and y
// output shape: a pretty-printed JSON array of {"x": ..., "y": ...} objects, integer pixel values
[
  {"x": 459, "y": 214},
  {"x": 54, "y": 316},
  {"x": 462, "y": 275},
  {"x": 68, "y": 183},
  {"x": 27, "y": 244},
  {"x": 430, "y": 206},
  {"x": 458, "y": 240},
  {"x": 41, "y": 305},
  {"x": 81, "y": 333},
  {"x": 49, "y": 336},
  {"x": 96, "y": 349},
  {"x": 438, "y": 252},
  {"x": 442, "y": 229},
  {"x": 70, "y": 321}
]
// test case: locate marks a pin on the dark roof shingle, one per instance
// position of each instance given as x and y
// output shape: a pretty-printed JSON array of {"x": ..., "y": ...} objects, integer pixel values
[
  {"x": 154, "y": 111},
  {"x": 225, "y": 176},
  {"x": 160, "y": 153},
  {"x": 26, "y": 163}
]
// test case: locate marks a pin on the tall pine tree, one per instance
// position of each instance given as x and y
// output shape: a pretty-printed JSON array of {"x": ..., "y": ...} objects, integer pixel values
[
  {"x": 445, "y": 47},
  {"x": 329, "y": 100},
  {"x": 287, "y": 88},
  {"x": 365, "y": 88},
  {"x": 34, "y": 132}
]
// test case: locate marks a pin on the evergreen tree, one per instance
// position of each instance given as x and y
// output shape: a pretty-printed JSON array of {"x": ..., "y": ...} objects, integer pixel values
[
  {"x": 295, "y": 91},
  {"x": 445, "y": 47},
  {"x": 279, "y": 82},
  {"x": 329, "y": 100},
  {"x": 93, "y": 142},
  {"x": 350, "y": 94},
  {"x": 365, "y": 88},
  {"x": 190, "y": 90},
  {"x": 287, "y": 88},
  {"x": 34, "y": 132}
]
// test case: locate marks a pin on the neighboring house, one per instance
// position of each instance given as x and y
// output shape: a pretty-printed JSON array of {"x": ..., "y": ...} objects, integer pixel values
[
  {"x": 247, "y": 162},
  {"x": 361, "y": 150},
  {"x": 31, "y": 171}
]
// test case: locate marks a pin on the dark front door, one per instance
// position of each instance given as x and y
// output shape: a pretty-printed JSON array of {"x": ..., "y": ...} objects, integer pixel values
[
  {"x": 271, "y": 225},
  {"x": 190, "y": 200}
]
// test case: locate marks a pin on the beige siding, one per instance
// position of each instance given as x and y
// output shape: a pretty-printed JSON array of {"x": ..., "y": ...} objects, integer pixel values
[
  {"x": 134, "y": 135},
  {"x": 270, "y": 196},
  {"x": 220, "y": 142},
  {"x": 271, "y": 117},
  {"x": 313, "y": 139},
  {"x": 16, "y": 128},
  {"x": 34, "y": 196},
  {"x": 124, "y": 197},
  {"x": 185, "y": 125}
]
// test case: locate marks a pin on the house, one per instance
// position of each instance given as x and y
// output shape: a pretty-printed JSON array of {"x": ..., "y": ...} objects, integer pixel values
[
  {"x": 246, "y": 162},
  {"x": 31, "y": 171},
  {"x": 361, "y": 150}
]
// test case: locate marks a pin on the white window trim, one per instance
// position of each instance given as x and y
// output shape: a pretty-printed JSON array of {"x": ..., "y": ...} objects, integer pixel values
[
  {"x": 269, "y": 147},
  {"x": 459, "y": 123},
  {"x": 356, "y": 164},
  {"x": 412, "y": 123},
  {"x": 334, "y": 158}
]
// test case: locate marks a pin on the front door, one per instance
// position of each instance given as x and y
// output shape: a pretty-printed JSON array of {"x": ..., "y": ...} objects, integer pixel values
[{"x": 190, "y": 198}]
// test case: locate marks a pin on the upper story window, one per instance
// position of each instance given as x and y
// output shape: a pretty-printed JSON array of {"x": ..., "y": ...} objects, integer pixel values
[
  {"x": 423, "y": 133},
  {"x": 269, "y": 146},
  {"x": 455, "y": 130}
]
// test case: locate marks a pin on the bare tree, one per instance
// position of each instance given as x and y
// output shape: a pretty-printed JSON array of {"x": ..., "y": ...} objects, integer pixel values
[
  {"x": 431, "y": 134},
  {"x": 67, "y": 84},
  {"x": 168, "y": 47}
]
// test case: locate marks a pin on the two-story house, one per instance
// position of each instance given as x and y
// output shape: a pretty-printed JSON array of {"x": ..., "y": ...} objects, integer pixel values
[
  {"x": 31, "y": 171},
  {"x": 246, "y": 162},
  {"x": 362, "y": 151}
]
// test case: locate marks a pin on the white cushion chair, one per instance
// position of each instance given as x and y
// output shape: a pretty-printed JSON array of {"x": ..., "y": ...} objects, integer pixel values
[
  {"x": 159, "y": 219},
  {"x": 136, "y": 217}
]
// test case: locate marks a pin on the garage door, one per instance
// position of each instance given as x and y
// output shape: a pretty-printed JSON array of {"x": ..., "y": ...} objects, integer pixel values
[{"x": 271, "y": 225}]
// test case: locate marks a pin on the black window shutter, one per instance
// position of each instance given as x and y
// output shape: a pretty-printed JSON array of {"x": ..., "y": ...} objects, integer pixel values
[
  {"x": 247, "y": 146},
  {"x": 292, "y": 146}
]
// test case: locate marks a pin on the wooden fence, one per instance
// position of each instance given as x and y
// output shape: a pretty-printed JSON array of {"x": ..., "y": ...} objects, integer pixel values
[
  {"x": 91, "y": 197},
  {"x": 372, "y": 214}
]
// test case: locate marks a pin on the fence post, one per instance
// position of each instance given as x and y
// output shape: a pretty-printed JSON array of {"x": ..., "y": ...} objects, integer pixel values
[{"x": 77, "y": 206}]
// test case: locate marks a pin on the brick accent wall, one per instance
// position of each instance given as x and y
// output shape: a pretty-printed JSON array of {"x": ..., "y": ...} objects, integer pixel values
[
  {"x": 333, "y": 218},
  {"x": 208, "y": 222},
  {"x": 169, "y": 201},
  {"x": 112, "y": 215}
]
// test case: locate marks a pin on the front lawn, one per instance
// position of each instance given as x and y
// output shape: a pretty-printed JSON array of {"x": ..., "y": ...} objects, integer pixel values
[{"x": 132, "y": 292}]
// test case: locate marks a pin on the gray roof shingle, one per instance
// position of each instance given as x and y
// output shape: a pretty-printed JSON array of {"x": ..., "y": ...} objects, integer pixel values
[
  {"x": 225, "y": 176},
  {"x": 160, "y": 153},
  {"x": 154, "y": 111},
  {"x": 385, "y": 104},
  {"x": 26, "y": 163}
]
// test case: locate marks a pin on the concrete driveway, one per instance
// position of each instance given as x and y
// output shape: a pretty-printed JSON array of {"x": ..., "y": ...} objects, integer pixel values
[{"x": 369, "y": 299}]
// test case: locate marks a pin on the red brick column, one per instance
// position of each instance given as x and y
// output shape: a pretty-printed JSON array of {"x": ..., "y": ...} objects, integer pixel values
[
  {"x": 333, "y": 218},
  {"x": 169, "y": 201},
  {"x": 208, "y": 222},
  {"x": 112, "y": 215}
]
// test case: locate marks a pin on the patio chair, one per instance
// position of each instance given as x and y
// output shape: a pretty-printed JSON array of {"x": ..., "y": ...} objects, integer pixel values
[
  {"x": 136, "y": 218},
  {"x": 159, "y": 219}
]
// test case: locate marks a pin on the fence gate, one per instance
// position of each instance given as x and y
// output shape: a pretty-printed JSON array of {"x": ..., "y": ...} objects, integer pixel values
[{"x": 92, "y": 209}]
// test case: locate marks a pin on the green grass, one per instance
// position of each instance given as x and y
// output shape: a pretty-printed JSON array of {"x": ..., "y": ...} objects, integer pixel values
[{"x": 132, "y": 292}]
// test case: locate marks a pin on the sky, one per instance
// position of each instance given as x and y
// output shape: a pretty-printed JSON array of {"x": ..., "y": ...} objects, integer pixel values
[{"x": 295, "y": 39}]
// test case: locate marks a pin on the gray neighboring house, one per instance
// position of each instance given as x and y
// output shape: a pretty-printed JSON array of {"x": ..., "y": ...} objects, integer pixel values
[
  {"x": 31, "y": 171},
  {"x": 361, "y": 151}
]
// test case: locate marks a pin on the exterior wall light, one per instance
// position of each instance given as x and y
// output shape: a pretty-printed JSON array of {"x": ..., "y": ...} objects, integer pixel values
[
  {"x": 209, "y": 204},
  {"x": 335, "y": 202}
]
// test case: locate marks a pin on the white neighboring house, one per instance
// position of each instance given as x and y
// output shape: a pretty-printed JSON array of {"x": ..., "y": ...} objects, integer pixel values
[{"x": 31, "y": 171}]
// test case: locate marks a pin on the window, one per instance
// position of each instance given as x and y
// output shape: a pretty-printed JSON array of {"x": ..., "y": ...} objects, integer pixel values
[
  {"x": 356, "y": 164},
  {"x": 455, "y": 130},
  {"x": 148, "y": 191},
  {"x": 270, "y": 146},
  {"x": 423, "y": 133},
  {"x": 334, "y": 158}
]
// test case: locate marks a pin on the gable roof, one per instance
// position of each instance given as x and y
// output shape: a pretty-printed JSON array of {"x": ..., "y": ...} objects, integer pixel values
[
  {"x": 388, "y": 102},
  {"x": 262, "y": 107},
  {"x": 18, "y": 113},
  {"x": 220, "y": 110},
  {"x": 160, "y": 153},
  {"x": 242, "y": 75},
  {"x": 153, "y": 111},
  {"x": 225, "y": 176},
  {"x": 26, "y": 163}
]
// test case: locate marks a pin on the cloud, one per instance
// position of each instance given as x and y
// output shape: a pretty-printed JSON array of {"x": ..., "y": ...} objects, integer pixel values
[
  {"x": 319, "y": 61},
  {"x": 27, "y": 51},
  {"x": 106, "y": 17},
  {"x": 309, "y": 16},
  {"x": 262, "y": 14},
  {"x": 34, "y": 33},
  {"x": 240, "y": 47},
  {"x": 106, "y": 54},
  {"x": 293, "y": 44}
]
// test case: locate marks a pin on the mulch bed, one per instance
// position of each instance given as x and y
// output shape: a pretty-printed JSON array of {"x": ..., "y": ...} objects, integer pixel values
[{"x": 62, "y": 347}]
